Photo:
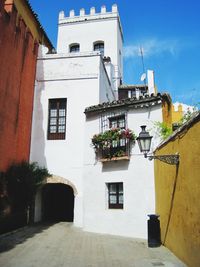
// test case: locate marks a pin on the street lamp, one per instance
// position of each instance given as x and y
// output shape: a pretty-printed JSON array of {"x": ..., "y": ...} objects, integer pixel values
[{"x": 144, "y": 142}]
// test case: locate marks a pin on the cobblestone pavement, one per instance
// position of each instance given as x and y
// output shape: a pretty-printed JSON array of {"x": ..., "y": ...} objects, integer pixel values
[{"x": 63, "y": 245}]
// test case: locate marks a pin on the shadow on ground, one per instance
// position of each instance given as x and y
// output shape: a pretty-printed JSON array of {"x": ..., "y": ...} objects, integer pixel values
[{"x": 10, "y": 240}]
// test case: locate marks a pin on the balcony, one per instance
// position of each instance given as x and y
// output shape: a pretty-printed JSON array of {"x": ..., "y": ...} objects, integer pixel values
[
  {"x": 118, "y": 150},
  {"x": 113, "y": 145}
]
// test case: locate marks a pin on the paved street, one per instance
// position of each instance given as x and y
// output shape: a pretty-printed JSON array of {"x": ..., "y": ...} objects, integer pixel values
[{"x": 63, "y": 245}]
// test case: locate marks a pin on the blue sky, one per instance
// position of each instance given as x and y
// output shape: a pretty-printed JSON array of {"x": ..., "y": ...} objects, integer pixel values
[{"x": 167, "y": 30}]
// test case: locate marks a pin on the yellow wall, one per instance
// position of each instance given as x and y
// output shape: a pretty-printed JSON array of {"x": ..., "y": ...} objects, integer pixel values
[
  {"x": 178, "y": 196},
  {"x": 177, "y": 115}
]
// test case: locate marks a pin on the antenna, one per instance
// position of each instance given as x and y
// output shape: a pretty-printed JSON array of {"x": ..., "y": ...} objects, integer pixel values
[{"x": 143, "y": 77}]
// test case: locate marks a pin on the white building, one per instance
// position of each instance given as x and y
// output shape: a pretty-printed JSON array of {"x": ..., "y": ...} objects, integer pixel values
[{"x": 76, "y": 96}]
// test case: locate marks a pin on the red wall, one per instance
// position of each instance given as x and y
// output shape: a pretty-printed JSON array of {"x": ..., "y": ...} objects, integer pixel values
[{"x": 18, "y": 55}]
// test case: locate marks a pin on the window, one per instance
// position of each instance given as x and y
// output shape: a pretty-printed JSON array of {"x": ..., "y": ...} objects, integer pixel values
[
  {"x": 106, "y": 118},
  {"x": 119, "y": 147},
  {"x": 123, "y": 94},
  {"x": 117, "y": 122},
  {"x": 57, "y": 118},
  {"x": 115, "y": 196},
  {"x": 75, "y": 48},
  {"x": 99, "y": 47}
]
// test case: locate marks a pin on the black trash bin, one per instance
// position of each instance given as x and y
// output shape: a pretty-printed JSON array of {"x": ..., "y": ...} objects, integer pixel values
[{"x": 153, "y": 231}]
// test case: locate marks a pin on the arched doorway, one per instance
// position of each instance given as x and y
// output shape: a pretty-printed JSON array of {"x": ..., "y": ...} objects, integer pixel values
[
  {"x": 57, "y": 202},
  {"x": 57, "y": 193}
]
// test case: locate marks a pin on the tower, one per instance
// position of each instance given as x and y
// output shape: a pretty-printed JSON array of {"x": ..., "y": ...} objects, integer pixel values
[
  {"x": 85, "y": 71},
  {"x": 94, "y": 32}
]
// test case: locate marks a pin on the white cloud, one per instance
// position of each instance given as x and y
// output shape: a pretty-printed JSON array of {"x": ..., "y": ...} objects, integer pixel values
[
  {"x": 185, "y": 107},
  {"x": 151, "y": 47},
  {"x": 190, "y": 96}
]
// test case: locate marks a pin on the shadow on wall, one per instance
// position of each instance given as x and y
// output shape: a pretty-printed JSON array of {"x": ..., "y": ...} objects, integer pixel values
[
  {"x": 38, "y": 134},
  {"x": 111, "y": 166}
]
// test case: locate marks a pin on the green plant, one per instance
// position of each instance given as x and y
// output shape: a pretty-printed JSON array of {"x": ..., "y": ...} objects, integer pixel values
[
  {"x": 22, "y": 180},
  {"x": 187, "y": 116},
  {"x": 163, "y": 129},
  {"x": 105, "y": 139},
  {"x": 119, "y": 153}
]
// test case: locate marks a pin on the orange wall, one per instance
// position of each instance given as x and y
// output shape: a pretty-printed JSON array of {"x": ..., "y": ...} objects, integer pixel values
[
  {"x": 18, "y": 55},
  {"x": 167, "y": 110}
]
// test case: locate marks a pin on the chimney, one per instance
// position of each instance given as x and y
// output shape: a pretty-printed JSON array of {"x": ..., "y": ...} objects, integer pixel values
[{"x": 151, "y": 83}]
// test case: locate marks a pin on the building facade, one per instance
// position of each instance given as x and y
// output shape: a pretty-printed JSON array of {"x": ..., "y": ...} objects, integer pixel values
[
  {"x": 118, "y": 182},
  {"x": 20, "y": 36},
  {"x": 76, "y": 97}
]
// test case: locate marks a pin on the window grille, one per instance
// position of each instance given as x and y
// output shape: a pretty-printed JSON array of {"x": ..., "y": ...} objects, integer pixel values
[{"x": 113, "y": 120}]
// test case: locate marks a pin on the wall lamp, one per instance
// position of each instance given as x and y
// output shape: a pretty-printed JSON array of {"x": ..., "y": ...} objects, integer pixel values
[{"x": 144, "y": 142}]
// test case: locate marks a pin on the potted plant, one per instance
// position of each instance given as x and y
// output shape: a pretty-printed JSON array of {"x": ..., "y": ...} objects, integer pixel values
[{"x": 113, "y": 142}]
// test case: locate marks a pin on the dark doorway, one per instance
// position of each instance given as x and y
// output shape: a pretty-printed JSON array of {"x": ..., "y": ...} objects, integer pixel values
[{"x": 58, "y": 202}]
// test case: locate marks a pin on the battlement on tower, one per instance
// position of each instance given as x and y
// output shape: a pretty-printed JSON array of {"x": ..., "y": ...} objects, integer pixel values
[{"x": 82, "y": 16}]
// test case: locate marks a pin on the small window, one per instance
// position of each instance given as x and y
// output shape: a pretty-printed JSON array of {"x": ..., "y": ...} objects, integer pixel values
[
  {"x": 57, "y": 119},
  {"x": 123, "y": 94},
  {"x": 75, "y": 48},
  {"x": 99, "y": 47},
  {"x": 115, "y": 196},
  {"x": 117, "y": 122}
]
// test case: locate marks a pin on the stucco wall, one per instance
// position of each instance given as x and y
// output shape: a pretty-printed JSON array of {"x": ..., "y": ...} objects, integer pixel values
[
  {"x": 79, "y": 79},
  {"x": 69, "y": 33},
  {"x": 167, "y": 112},
  {"x": 18, "y": 54},
  {"x": 137, "y": 176},
  {"x": 177, "y": 196},
  {"x": 88, "y": 29},
  {"x": 107, "y": 92},
  {"x": 177, "y": 113}
]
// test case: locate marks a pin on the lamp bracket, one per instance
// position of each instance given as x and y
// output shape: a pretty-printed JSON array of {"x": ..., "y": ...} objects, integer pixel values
[{"x": 169, "y": 159}]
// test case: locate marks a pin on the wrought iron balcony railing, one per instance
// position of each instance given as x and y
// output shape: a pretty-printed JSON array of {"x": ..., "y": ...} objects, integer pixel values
[{"x": 117, "y": 150}]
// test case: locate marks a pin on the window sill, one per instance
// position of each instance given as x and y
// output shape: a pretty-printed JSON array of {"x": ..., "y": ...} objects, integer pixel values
[
  {"x": 119, "y": 209},
  {"x": 114, "y": 159}
]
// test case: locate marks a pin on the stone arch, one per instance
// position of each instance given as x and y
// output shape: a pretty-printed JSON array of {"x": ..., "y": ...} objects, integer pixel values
[{"x": 54, "y": 179}]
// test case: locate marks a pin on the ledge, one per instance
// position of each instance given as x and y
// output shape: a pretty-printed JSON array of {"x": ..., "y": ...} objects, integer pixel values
[
  {"x": 141, "y": 102},
  {"x": 114, "y": 159}
]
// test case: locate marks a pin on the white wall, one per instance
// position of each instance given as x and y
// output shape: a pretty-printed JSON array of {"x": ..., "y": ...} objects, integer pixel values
[
  {"x": 76, "y": 78},
  {"x": 106, "y": 92},
  {"x": 88, "y": 29},
  {"x": 137, "y": 176},
  {"x": 81, "y": 78}
]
